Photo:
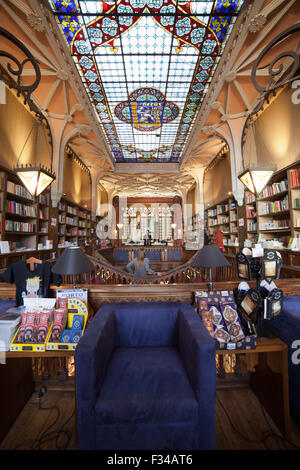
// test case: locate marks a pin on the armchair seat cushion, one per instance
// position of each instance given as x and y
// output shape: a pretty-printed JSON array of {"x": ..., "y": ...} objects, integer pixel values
[{"x": 146, "y": 385}]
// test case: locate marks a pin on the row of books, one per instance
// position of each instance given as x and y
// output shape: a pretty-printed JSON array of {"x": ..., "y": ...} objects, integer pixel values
[
  {"x": 222, "y": 208},
  {"x": 14, "y": 226},
  {"x": 71, "y": 221},
  {"x": 252, "y": 226},
  {"x": 250, "y": 198},
  {"x": 212, "y": 212},
  {"x": 295, "y": 177},
  {"x": 250, "y": 212},
  {"x": 72, "y": 233},
  {"x": 83, "y": 215},
  {"x": 274, "y": 188},
  {"x": 275, "y": 224},
  {"x": 18, "y": 190},
  {"x": 43, "y": 199},
  {"x": 276, "y": 206},
  {"x": 42, "y": 215},
  {"x": 82, "y": 233},
  {"x": 223, "y": 220},
  {"x": 81, "y": 224},
  {"x": 20, "y": 209},
  {"x": 297, "y": 202},
  {"x": 72, "y": 210},
  {"x": 212, "y": 223}
]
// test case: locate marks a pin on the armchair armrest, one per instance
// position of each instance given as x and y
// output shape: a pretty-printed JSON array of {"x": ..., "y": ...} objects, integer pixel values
[
  {"x": 93, "y": 353},
  {"x": 92, "y": 356},
  {"x": 198, "y": 352}
]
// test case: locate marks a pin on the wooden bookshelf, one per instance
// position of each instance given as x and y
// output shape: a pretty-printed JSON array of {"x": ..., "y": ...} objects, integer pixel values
[
  {"x": 73, "y": 222},
  {"x": 275, "y": 214},
  {"x": 223, "y": 216}
]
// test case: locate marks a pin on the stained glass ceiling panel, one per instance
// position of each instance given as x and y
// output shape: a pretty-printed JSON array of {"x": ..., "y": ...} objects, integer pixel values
[{"x": 146, "y": 66}]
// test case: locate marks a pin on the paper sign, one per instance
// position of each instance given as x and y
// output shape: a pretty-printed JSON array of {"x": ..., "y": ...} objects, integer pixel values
[
  {"x": 4, "y": 247},
  {"x": 37, "y": 302}
]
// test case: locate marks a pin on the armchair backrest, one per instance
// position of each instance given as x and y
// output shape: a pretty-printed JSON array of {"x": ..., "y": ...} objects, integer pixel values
[{"x": 150, "y": 324}]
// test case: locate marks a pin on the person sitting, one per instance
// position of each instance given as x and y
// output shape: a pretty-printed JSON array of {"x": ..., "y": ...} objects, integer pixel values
[{"x": 140, "y": 266}]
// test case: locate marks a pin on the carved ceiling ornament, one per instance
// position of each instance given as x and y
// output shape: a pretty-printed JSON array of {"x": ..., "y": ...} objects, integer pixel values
[
  {"x": 83, "y": 128},
  {"x": 62, "y": 74},
  {"x": 35, "y": 21},
  {"x": 257, "y": 23},
  {"x": 209, "y": 130}
]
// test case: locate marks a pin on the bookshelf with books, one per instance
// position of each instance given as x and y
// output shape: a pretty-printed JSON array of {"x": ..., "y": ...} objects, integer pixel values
[
  {"x": 294, "y": 193},
  {"x": 223, "y": 216},
  {"x": 44, "y": 218},
  {"x": 21, "y": 215},
  {"x": 23, "y": 221},
  {"x": 273, "y": 210},
  {"x": 72, "y": 224},
  {"x": 251, "y": 215},
  {"x": 275, "y": 214}
]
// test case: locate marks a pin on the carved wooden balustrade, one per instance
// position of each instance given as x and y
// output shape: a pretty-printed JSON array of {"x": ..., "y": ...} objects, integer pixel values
[{"x": 106, "y": 273}]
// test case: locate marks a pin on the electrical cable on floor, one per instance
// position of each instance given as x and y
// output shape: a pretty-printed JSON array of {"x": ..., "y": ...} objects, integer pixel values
[
  {"x": 266, "y": 435},
  {"x": 47, "y": 436}
]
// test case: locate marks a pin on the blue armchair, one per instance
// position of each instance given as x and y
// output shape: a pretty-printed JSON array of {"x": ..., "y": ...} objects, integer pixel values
[
  {"x": 146, "y": 379},
  {"x": 288, "y": 326}
]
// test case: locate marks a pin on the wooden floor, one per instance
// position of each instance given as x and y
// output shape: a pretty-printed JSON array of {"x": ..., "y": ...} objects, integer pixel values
[{"x": 248, "y": 428}]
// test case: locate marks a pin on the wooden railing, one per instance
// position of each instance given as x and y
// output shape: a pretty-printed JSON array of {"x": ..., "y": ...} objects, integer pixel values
[{"x": 106, "y": 273}]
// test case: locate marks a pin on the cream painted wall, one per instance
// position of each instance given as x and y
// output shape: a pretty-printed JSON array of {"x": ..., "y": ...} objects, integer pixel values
[
  {"x": 278, "y": 135},
  {"x": 76, "y": 186},
  {"x": 15, "y": 125},
  {"x": 217, "y": 182}
]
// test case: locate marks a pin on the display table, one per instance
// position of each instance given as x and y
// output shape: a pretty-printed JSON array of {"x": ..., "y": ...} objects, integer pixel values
[{"x": 268, "y": 367}]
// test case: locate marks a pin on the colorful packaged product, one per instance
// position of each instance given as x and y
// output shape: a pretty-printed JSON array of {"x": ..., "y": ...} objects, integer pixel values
[
  {"x": 59, "y": 323},
  {"x": 206, "y": 318},
  {"x": 42, "y": 326},
  {"x": 76, "y": 336},
  {"x": 20, "y": 335},
  {"x": 29, "y": 328},
  {"x": 232, "y": 321},
  {"x": 66, "y": 336},
  {"x": 77, "y": 322}
]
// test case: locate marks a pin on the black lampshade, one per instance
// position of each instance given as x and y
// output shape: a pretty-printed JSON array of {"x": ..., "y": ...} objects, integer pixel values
[
  {"x": 73, "y": 261},
  {"x": 210, "y": 256}
]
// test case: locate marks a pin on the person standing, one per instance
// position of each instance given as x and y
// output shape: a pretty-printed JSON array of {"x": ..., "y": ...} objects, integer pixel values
[
  {"x": 219, "y": 240},
  {"x": 147, "y": 238}
]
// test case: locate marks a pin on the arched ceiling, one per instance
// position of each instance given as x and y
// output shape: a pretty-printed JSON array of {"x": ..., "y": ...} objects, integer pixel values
[{"x": 225, "y": 102}]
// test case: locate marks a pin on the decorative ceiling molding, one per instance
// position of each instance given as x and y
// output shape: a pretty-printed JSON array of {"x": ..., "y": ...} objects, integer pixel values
[{"x": 146, "y": 185}]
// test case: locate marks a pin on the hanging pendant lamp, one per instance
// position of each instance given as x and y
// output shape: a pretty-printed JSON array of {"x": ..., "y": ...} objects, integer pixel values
[
  {"x": 35, "y": 178},
  {"x": 255, "y": 177}
]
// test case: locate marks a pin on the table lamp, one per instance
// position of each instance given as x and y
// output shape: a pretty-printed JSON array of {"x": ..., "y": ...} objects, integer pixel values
[
  {"x": 210, "y": 257},
  {"x": 73, "y": 261}
]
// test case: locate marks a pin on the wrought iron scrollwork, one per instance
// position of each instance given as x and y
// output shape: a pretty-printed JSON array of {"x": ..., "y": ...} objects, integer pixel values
[
  {"x": 16, "y": 68},
  {"x": 273, "y": 73}
]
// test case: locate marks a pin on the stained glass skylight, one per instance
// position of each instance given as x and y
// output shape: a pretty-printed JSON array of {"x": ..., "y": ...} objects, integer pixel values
[{"x": 146, "y": 66}]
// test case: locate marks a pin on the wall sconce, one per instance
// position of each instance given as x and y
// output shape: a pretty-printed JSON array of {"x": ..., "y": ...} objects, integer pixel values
[{"x": 35, "y": 178}]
